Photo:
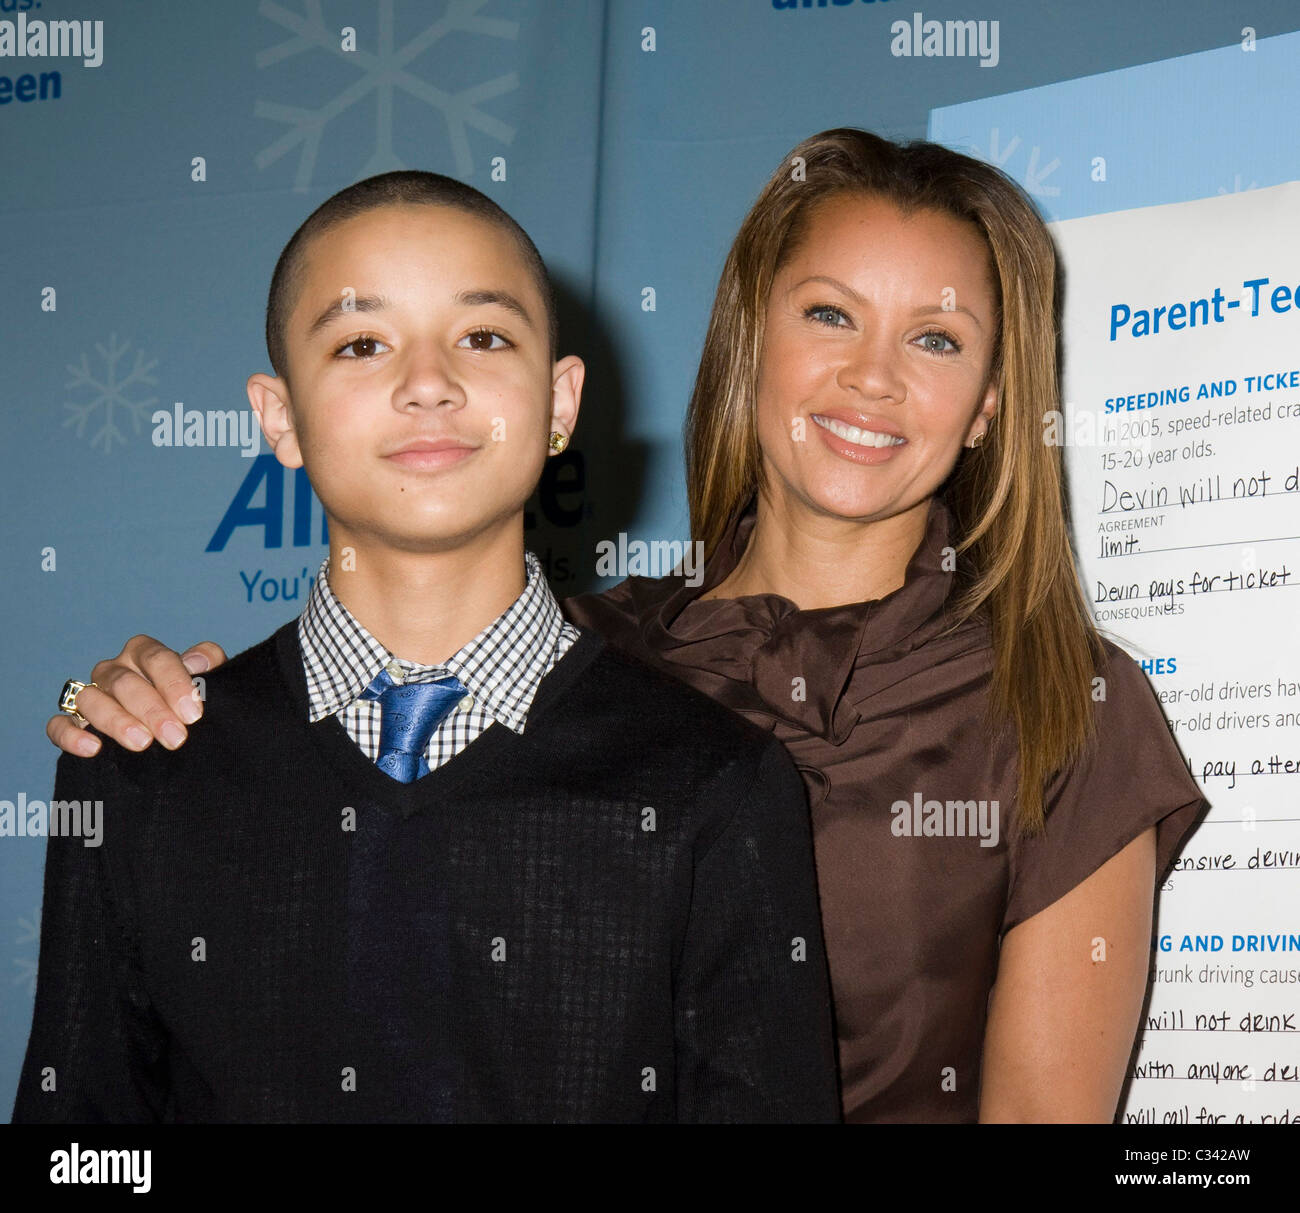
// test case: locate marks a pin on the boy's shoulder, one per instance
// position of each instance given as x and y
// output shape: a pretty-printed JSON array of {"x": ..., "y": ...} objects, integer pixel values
[
  {"x": 643, "y": 705},
  {"x": 245, "y": 701},
  {"x": 630, "y": 725},
  {"x": 254, "y": 676},
  {"x": 248, "y": 692}
]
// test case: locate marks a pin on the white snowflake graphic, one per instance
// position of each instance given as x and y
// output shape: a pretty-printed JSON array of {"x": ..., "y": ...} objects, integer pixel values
[
  {"x": 382, "y": 71},
  {"x": 1237, "y": 187},
  {"x": 29, "y": 931},
  {"x": 112, "y": 395},
  {"x": 1034, "y": 178}
]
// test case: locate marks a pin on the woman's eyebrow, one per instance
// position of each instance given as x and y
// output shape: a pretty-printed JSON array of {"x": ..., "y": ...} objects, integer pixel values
[
  {"x": 924, "y": 310},
  {"x": 340, "y": 307},
  {"x": 835, "y": 282},
  {"x": 956, "y": 307}
]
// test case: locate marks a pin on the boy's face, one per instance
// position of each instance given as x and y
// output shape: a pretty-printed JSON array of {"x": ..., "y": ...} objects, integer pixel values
[{"x": 423, "y": 390}]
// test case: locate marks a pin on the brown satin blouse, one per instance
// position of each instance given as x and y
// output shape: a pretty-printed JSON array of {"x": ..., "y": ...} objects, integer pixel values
[{"x": 877, "y": 708}]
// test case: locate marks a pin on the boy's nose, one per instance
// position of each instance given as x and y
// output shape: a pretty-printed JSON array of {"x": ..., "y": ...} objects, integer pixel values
[{"x": 429, "y": 378}]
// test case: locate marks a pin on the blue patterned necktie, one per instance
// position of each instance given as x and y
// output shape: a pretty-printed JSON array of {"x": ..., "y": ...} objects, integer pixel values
[{"x": 409, "y": 713}]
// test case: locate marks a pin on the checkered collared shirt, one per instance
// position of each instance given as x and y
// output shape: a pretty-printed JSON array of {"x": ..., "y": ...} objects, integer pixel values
[{"x": 501, "y": 667}]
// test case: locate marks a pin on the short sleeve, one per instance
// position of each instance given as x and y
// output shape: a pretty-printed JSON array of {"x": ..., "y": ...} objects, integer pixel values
[{"x": 1130, "y": 779}]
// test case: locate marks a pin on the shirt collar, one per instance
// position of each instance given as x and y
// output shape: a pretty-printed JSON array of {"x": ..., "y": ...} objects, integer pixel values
[
  {"x": 501, "y": 667},
  {"x": 807, "y": 668}
]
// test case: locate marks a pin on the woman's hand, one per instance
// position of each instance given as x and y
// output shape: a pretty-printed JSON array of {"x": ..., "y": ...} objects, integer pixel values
[{"x": 146, "y": 691}]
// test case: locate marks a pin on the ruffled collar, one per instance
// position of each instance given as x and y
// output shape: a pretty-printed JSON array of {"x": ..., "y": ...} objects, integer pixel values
[{"x": 762, "y": 644}]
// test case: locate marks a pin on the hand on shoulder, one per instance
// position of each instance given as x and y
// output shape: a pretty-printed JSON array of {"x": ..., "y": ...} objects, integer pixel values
[{"x": 145, "y": 693}]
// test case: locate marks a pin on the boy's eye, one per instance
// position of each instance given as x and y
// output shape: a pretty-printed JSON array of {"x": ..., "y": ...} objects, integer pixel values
[
  {"x": 360, "y": 347},
  {"x": 481, "y": 339}
]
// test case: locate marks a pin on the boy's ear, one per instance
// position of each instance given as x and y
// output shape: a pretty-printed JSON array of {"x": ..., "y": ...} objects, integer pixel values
[
  {"x": 566, "y": 393},
  {"x": 269, "y": 397}
]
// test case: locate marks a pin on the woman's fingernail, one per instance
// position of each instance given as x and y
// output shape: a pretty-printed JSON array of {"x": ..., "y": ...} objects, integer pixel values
[
  {"x": 87, "y": 745},
  {"x": 196, "y": 663},
  {"x": 138, "y": 737},
  {"x": 172, "y": 735},
  {"x": 188, "y": 710}
]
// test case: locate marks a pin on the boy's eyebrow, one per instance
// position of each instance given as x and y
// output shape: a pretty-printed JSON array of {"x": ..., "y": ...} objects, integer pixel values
[
  {"x": 375, "y": 303},
  {"x": 501, "y": 298},
  {"x": 362, "y": 303}
]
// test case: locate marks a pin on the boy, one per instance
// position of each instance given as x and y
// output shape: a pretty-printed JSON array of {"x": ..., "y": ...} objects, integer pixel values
[{"x": 435, "y": 855}]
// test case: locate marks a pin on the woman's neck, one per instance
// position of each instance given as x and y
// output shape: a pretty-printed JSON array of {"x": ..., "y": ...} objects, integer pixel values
[{"x": 817, "y": 560}]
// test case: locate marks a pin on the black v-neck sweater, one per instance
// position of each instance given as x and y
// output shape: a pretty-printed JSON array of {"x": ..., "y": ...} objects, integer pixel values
[{"x": 611, "y": 917}]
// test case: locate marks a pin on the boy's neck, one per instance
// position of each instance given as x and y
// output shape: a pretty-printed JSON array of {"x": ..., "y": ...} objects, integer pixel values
[{"x": 425, "y": 606}]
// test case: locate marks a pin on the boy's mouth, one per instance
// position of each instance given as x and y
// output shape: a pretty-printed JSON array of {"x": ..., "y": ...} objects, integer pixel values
[{"x": 431, "y": 453}]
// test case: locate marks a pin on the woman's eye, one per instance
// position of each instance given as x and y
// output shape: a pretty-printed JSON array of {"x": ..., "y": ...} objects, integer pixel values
[
  {"x": 825, "y": 313},
  {"x": 939, "y": 338},
  {"x": 482, "y": 339},
  {"x": 361, "y": 347}
]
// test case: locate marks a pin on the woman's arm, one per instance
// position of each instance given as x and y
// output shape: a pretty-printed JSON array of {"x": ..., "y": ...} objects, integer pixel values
[{"x": 1061, "y": 1018}]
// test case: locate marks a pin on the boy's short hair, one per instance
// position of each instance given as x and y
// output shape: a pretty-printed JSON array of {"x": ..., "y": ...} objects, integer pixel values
[{"x": 405, "y": 187}]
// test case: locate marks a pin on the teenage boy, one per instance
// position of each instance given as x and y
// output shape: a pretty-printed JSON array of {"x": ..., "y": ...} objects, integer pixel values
[{"x": 435, "y": 855}]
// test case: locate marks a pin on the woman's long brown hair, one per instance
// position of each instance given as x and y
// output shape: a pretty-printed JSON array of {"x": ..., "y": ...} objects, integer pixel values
[{"x": 1016, "y": 565}]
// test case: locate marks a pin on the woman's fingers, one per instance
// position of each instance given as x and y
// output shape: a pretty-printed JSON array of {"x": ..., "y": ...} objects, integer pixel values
[
  {"x": 147, "y": 691},
  {"x": 131, "y": 709},
  {"x": 68, "y": 735},
  {"x": 203, "y": 656}
]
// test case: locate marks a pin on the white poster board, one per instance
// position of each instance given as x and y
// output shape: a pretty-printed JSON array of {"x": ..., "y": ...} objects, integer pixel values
[{"x": 1182, "y": 434}]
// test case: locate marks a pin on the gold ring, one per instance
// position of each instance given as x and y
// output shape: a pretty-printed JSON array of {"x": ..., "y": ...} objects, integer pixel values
[{"x": 68, "y": 698}]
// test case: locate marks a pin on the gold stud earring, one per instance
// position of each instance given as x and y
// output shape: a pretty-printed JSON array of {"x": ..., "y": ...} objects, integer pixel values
[
  {"x": 558, "y": 441},
  {"x": 974, "y": 442}
]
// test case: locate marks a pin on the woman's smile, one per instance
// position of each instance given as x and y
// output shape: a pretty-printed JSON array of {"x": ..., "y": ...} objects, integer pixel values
[{"x": 857, "y": 443}]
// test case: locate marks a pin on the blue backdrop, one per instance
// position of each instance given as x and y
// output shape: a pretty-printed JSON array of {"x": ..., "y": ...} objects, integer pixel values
[{"x": 146, "y": 197}]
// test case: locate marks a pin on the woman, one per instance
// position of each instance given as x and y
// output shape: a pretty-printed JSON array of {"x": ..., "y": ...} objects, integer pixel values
[{"x": 890, "y": 589}]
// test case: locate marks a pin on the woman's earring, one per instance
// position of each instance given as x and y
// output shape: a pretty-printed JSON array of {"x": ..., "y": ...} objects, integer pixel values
[
  {"x": 558, "y": 441},
  {"x": 974, "y": 442}
]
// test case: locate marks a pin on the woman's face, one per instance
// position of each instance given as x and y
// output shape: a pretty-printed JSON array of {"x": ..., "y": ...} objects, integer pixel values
[{"x": 875, "y": 367}]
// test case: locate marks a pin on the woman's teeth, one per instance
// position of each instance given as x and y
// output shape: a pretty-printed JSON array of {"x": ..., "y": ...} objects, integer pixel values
[{"x": 859, "y": 437}]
